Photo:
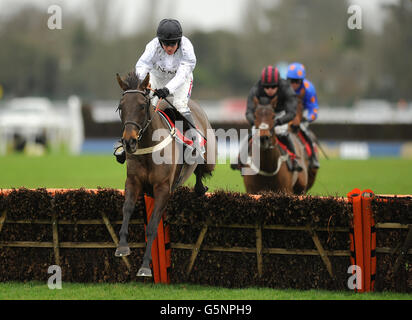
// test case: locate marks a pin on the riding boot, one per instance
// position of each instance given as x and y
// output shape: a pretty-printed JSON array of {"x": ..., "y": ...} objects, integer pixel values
[
  {"x": 119, "y": 152},
  {"x": 287, "y": 140},
  {"x": 196, "y": 138},
  {"x": 313, "y": 161}
]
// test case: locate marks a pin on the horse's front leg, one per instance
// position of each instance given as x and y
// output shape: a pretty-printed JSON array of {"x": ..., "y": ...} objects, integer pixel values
[
  {"x": 161, "y": 194},
  {"x": 132, "y": 192}
]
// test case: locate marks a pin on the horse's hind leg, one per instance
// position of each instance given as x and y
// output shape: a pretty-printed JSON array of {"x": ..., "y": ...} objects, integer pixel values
[
  {"x": 161, "y": 195},
  {"x": 200, "y": 189},
  {"x": 132, "y": 191}
]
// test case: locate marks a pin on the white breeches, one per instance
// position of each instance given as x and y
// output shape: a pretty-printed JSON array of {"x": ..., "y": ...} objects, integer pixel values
[{"x": 181, "y": 95}]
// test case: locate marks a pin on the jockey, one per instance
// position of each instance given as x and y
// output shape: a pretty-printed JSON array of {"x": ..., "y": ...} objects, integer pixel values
[
  {"x": 268, "y": 87},
  {"x": 170, "y": 59},
  {"x": 307, "y": 102}
]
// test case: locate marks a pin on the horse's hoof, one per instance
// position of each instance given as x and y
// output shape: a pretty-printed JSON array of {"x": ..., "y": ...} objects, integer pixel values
[
  {"x": 122, "y": 251},
  {"x": 200, "y": 191},
  {"x": 144, "y": 272}
]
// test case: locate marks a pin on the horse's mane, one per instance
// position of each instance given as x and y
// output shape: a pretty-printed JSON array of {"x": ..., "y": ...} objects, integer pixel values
[{"x": 132, "y": 80}]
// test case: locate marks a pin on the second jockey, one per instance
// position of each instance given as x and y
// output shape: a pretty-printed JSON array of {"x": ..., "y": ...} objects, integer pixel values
[
  {"x": 270, "y": 86},
  {"x": 307, "y": 104}
]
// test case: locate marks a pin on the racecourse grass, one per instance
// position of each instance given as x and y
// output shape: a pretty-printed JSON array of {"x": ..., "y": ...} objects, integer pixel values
[
  {"x": 142, "y": 291},
  {"x": 336, "y": 178}
]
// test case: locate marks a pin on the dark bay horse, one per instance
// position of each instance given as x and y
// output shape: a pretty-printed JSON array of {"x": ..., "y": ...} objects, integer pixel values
[
  {"x": 272, "y": 173},
  {"x": 141, "y": 122}
]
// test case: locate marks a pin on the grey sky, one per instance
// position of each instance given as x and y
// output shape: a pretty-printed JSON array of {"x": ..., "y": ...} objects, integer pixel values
[{"x": 131, "y": 15}]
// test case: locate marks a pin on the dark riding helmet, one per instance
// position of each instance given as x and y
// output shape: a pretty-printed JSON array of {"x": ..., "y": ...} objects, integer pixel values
[
  {"x": 270, "y": 77},
  {"x": 169, "y": 30}
]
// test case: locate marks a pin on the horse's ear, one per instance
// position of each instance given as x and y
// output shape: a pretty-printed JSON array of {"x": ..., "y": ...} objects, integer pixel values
[
  {"x": 255, "y": 101},
  {"x": 122, "y": 84},
  {"x": 145, "y": 83}
]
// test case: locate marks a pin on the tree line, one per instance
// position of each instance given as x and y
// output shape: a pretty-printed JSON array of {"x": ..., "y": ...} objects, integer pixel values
[{"x": 345, "y": 65}]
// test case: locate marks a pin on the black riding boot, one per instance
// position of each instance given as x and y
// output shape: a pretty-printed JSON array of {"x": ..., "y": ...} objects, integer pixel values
[
  {"x": 313, "y": 161},
  {"x": 196, "y": 138},
  {"x": 286, "y": 140},
  {"x": 119, "y": 152}
]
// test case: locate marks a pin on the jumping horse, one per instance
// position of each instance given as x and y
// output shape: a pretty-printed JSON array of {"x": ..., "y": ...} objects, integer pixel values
[
  {"x": 272, "y": 172},
  {"x": 140, "y": 121}
]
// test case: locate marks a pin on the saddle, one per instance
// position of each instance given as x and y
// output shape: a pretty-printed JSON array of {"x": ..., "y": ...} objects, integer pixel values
[
  {"x": 170, "y": 117},
  {"x": 305, "y": 143}
]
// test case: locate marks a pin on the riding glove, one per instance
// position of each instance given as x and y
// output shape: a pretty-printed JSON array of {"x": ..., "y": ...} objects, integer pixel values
[{"x": 162, "y": 93}]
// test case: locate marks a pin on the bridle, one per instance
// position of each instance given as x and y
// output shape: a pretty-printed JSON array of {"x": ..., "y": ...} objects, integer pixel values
[
  {"x": 147, "y": 120},
  {"x": 272, "y": 145}
]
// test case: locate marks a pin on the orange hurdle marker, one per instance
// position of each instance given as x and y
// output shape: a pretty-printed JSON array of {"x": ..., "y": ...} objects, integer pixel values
[
  {"x": 159, "y": 258},
  {"x": 369, "y": 240},
  {"x": 355, "y": 198}
]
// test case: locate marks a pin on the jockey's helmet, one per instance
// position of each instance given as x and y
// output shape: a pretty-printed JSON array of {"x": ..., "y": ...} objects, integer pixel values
[
  {"x": 169, "y": 30},
  {"x": 270, "y": 77},
  {"x": 296, "y": 70}
]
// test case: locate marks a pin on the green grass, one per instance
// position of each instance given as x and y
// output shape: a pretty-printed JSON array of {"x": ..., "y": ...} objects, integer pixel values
[
  {"x": 336, "y": 177},
  {"x": 140, "y": 291}
]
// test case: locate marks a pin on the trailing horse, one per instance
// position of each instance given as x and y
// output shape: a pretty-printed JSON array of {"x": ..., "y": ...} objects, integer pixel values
[
  {"x": 145, "y": 175},
  {"x": 272, "y": 172}
]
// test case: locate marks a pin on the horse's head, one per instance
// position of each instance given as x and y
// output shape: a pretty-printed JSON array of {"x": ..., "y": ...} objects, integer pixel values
[
  {"x": 265, "y": 122},
  {"x": 134, "y": 108}
]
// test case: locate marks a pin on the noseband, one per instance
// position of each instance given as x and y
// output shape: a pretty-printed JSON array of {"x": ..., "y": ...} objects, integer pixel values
[{"x": 147, "y": 120}]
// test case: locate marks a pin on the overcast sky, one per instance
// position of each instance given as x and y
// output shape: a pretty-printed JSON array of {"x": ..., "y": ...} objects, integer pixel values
[{"x": 206, "y": 15}]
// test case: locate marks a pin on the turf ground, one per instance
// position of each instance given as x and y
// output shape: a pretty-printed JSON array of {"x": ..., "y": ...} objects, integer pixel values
[
  {"x": 336, "y": 178},
  {"x": 141, "y": 291}
]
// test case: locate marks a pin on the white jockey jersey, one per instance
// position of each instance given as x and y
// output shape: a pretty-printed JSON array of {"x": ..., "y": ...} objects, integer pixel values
[{"x": 173, "y": 70}]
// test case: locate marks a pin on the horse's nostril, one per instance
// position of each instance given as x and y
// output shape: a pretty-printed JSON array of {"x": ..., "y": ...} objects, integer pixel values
[{"x": 131, "y": 143}]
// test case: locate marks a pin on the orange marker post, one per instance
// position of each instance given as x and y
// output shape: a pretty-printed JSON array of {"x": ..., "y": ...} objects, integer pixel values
[
  {"x": 369, "y": 239},
  {"x": 160, "y": 254},
  {"x": 149, "y": 203},
  {"x": 355, "y": 198}
]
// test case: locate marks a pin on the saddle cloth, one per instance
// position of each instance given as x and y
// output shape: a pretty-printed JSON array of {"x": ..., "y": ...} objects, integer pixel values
[{"x": 180, "y": 136}]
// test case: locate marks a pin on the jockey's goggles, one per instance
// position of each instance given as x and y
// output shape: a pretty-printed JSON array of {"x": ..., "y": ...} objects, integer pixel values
[
  {"x": 299, "y": 81},
  {"x": 169, "y": 43},
  {"x": 270, "y": 86}
]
